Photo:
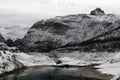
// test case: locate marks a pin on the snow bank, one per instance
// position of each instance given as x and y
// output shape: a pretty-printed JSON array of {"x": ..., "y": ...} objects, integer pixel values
[
  {"x": 72, "y": 61},
  {"x": 11, "y": 61},
  {"x": 117, "y": 77},
  {"x": 112, "y": 66},
  {"x": 8, "y": 62},
  {"x": 83, "y": 58},
  {"x": 34, "y": 60}
]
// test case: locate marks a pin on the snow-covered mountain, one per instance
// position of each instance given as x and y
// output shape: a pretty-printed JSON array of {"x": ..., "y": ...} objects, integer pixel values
[
  {"x": 75, "y": 30},
  {"x": 65, "y": 37},
  {"x": 13, "y": 32}
]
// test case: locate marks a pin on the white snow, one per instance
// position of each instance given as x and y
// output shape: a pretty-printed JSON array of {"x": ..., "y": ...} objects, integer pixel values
[
  {"x": 112, "y": 66},
  {"x": 34, "y": 60},
  {"x": 13, "y": 32},
  {"x": 84, "y": 58},
  {"x": 109, "y": 65},
  {"x": 10, "y": 61},
  {"x": 72, "y": 61},
  {"x": 6, "y": 62}
]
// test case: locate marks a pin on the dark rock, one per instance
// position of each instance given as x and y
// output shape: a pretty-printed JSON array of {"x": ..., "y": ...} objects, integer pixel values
[
  {"x": 9, "y": 42},
  {"x": 1, "y": 38},
  {"x": 97, "y": 11}
]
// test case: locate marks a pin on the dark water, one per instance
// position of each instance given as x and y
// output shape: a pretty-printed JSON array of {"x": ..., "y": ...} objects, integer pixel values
[{"x": 52, "y": 73}]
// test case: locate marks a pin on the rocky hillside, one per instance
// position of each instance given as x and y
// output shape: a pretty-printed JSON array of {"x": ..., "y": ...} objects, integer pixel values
[
  {"x": 96, "y": 31},
  {"x": 1, "y": 38}
]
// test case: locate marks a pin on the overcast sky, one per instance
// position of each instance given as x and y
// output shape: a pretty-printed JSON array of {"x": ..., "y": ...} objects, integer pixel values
[{"x": 26, "y": 12}]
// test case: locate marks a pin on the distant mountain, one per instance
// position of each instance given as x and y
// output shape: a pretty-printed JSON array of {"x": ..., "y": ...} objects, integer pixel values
[
  {"x": 13, "y": 32},
  {"x": 82, "y": 32}
]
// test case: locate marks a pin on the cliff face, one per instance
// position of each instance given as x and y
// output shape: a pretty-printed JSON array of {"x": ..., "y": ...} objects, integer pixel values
[
  {"x": 74, "y": 30},
  {"x": 1, "y": 38}
]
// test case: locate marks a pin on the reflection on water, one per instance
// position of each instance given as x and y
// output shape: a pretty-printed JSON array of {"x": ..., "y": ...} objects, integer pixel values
[{"x": 52, "y": 73}]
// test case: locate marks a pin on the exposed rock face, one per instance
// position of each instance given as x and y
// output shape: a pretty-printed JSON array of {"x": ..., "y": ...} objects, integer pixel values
[
  {"x": 1, "y": 38},
  {"x": 74, "y": 30},
  {"x": 97, "y": 11}
]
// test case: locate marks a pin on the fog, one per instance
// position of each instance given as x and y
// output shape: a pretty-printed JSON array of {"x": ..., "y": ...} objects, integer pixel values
[{"x": 26, "y": 12}]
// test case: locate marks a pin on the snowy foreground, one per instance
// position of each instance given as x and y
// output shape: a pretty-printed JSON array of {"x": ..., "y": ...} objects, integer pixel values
[
  {"x": 108, "y": 64},
  {"x": 112, "y": 66}
]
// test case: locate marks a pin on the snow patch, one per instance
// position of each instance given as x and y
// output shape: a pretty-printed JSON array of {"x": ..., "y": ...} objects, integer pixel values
[
  {"x": 34, "y": 60},
  {"x": 112, "y": 66}
]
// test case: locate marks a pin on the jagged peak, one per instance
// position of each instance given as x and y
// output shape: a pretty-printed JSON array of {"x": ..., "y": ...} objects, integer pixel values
[{"x": 97, "y": 11}]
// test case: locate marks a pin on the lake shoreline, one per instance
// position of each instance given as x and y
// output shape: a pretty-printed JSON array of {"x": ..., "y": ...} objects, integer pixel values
[{"x": 94, "y": 70}]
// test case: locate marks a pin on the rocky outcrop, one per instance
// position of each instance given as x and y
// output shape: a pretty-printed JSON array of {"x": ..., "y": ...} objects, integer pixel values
[
  {"x": 8, "y": 60},
  {"x": 1, "y": 38},
  {"x": 74, "y": 31},
  {"x": 97, "y": 11}
]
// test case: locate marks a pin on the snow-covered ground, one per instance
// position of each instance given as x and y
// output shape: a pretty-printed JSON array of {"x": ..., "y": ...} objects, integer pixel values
[
  {"x": 112, "y": 66},
  {"x": 110, "y": 62},
  {"x": 34, "y": 60},
  {"x": 10, "y": 61},
  {"x": 84, "y": 58}
]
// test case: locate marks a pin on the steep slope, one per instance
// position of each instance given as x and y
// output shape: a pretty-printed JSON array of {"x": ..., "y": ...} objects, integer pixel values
[
  {"x": 13, "y": 32},
  {"x": 1, "y": 38},
  {"x": 71, "y": 31},
  {"x": 10, "y": 61}
]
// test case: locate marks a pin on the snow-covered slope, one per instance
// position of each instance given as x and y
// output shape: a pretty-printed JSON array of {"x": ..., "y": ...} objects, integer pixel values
[
  {"x": 10, "y": 61},
  {"x": 111, "y": 66},
  {"x": 13, "y": 32},
  {"x": 71, "y": 30}
]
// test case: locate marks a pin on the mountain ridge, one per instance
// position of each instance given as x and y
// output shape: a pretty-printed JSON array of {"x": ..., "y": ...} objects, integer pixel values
[{"x": 71, "y": 30}]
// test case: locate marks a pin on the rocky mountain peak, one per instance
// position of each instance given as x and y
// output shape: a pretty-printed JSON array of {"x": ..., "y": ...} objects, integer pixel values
[{"x": 97, "y": 11}]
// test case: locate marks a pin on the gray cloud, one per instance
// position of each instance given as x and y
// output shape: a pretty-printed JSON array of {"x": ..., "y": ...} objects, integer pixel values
[{"x": 26, "y": 12}]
